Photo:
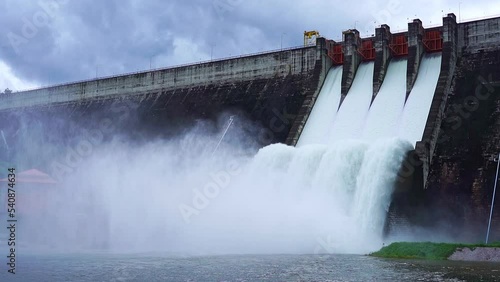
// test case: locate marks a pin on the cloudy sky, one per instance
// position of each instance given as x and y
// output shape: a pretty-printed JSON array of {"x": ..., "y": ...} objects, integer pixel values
[{"x": 53, "y": 41}]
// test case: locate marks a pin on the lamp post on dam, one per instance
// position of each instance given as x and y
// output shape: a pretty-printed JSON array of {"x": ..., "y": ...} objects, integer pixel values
[{"x": 493, "y": 198}]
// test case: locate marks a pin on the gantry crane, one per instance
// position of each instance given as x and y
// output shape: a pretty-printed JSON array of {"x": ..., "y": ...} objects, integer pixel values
[{"x": 309, "y": 36}]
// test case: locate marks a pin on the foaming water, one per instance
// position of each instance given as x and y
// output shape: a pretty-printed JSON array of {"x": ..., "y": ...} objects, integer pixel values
[
  {"x": 170, "y": 198},
  {"x": 359, "y": 177},
  {"x": 177, "y": 197}
]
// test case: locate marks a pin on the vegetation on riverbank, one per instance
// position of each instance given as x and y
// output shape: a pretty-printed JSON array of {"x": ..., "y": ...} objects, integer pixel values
[{"x": 424, "y": 250}]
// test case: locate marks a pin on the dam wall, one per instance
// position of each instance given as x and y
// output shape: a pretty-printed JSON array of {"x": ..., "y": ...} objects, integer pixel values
[
  {"x": 270, "y": 89},
  {"x": 460, "y": 142},
  {"x": 462, "y": 173},
  {"x": 458, "y": 40},
  {"x": 449, "y": 59},
  {"x": 274, "y": 65},
  {"x": 277, "y": 91}
]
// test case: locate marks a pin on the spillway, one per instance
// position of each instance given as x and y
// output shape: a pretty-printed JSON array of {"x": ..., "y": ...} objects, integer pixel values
[
  {"x": 366, "y": 142},
  {"x": 324, "y": 111},
  {"x": 385, "y": 111},
  {"x": 416, "y": 111},
  {"x": 329, "y": 194},
  {"x": 336, "y": 184},
  {"x": 352, "y": 114}
]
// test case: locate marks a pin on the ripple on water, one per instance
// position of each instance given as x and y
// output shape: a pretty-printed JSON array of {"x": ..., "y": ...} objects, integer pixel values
[{"x": 94, "y": 268}]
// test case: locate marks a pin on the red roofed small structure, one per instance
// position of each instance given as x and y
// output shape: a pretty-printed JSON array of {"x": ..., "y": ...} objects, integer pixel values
[
  {"x": 32, "y": 192},
  {"x": 32, "y": 176}
]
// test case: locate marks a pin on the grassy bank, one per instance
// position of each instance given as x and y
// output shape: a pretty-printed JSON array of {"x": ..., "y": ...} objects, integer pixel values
[{"x": 424, "y": 250}]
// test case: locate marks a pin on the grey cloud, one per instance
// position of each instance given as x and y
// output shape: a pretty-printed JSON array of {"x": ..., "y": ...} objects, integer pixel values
[{"x": 123, "y": 36}]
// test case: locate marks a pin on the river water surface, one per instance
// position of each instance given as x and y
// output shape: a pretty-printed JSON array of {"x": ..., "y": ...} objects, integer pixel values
[{"x": 242, "y": 268}]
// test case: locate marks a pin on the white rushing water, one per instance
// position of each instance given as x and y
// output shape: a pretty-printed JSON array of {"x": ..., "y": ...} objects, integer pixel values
[
  {"x": 362, "y": 173},
  {"x": 383, "y": 118},
  {"x": 341, "y": 193},
  {"x": 324, "y": 111},
  {"x": 352, "y": 113},
  {"x": 312, "y": 199},
  {"x": 329, "y": 195},
  {"x": 416, "y": 111}
]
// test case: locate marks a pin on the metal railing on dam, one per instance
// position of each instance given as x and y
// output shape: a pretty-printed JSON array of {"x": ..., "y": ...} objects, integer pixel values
[
  {"x": 264, "y": 65},
  {"x": 168, "y": 67}
]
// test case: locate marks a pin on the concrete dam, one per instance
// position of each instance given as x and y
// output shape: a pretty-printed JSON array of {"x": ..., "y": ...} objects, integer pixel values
[{"x": 431, "y": 94}]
